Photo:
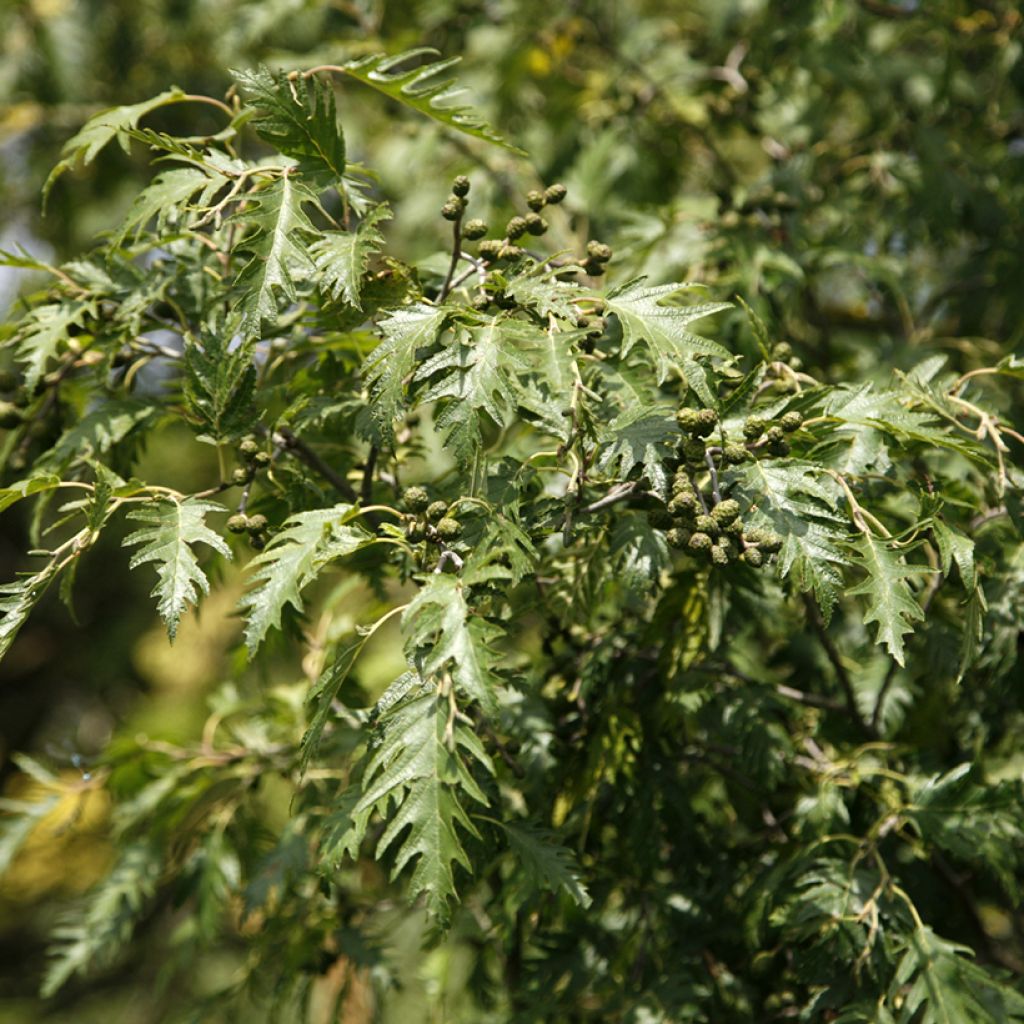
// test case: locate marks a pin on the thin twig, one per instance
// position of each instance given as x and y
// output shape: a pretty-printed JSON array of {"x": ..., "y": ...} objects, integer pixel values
[
  {"x": 366, "y": 490},
  {"x": 836, "y": 661},
  {"x": 456, "y": 252},
  {"x": 297, "y": 447},
  {"x": 620, "y": 492}
]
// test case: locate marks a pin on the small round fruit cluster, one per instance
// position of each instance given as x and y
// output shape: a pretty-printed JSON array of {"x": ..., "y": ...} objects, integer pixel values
[
  {"x": 253, "y": 457},
  {"x": 493, "y": 250},
  {"x": 255, "y": 526},
  {"x": 712, "y": 529},
  {"x": 711, "y": 525},
  {"x": 428, "y": 520}
]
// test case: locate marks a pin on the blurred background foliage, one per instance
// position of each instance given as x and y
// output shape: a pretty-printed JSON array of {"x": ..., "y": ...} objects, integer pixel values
[{"x": 854, "y": 168}]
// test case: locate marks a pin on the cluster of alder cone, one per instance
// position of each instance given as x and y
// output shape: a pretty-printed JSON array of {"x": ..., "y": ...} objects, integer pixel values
[
  {"x": 711, "y": 524},
  {"x": 492, "y": 250}
]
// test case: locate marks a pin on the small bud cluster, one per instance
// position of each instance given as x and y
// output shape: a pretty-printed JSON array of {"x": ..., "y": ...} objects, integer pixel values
[
  {"x": 493, "y": 250},
  {"x": 255, "y": 526},
  {"x": 788, "y": 363},
  {"x": 253, "y": 457},
  {"x": 598, "y": 254},
  {"x": 428, "y": 520},
  {"x": 772, "y": 436}
]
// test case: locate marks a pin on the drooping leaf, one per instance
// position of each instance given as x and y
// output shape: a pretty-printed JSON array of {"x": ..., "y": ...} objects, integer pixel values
[
  {"x": 110, "y": 916},
  {"x": 277, "y": 246},
  {"x": 297, "y": 116},
  {"x": 321, "y": 698},
  {"x": 390, "y": 365},
  {"x": 277, "y": 869},
  {"x": 172, "y": 528},
  {"x": 544, "y": 863},
  {"x": 35, "y": 484},
  {"x": 99, "y": 431},
  {"x": 426, "y": 88},
  {"x": 24, "y": 816},
  {"x": 645, "y": 315},
  {"x": 955, "y": 546},
  {"x": 426, "y": 777},
  {"x": 974, "y": 631},
  {"x": 975, "y": 820},
  {"x": 639, "y": 554},
  {"x": 936, "y": 983},
  {"x": 103, "y": 128},
  {"x": 292, "y": 560},
  {"x": 341, "y": 257},
  {"x": 890, "y": 600},
  {"x": 442, "y": 631}
]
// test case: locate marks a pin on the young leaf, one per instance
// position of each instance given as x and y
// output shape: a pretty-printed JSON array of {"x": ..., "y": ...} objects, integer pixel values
[
  {"x": 296, "y": 115},
  {"x": 278, "y": 250},
  {"x": 41, "y": 333},
  {"x": 425, "y": 775},
  {"x": 389, "y": 365},
  {"x": 645, "y": 315},
  {"x": 341, "y": 257},
  {"x": 426, "y": 88},
  {"x": 172, "y": 527},
  {"x": 219, "y": 387},
  {"x": 891, "y": 604},
  {"x": 292, "y": 560},
  {"x": 17, "y": 600}
]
